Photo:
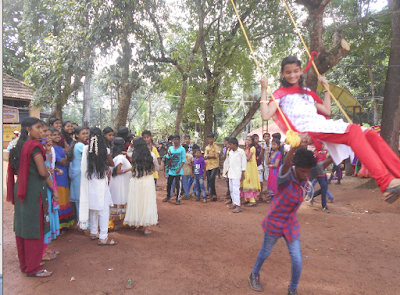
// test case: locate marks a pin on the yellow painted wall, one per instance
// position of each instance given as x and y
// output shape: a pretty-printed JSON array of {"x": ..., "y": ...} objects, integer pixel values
[{"x": 33, "y": 112}]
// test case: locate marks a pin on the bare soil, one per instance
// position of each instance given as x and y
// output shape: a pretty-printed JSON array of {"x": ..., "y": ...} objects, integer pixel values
[{"x": 202, "y": 248}]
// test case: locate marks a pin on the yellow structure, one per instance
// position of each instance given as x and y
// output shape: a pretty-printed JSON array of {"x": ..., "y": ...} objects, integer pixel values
[{"x": 17, "y": 99}]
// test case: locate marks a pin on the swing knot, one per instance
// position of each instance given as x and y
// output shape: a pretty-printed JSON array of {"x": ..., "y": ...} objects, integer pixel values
[
  {"x": 293, "y": 138},
  {"x": 309, "y": 64}
]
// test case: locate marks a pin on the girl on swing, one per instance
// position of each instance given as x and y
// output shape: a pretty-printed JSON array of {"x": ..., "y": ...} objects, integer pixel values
[{"x": 306, "y": 113}]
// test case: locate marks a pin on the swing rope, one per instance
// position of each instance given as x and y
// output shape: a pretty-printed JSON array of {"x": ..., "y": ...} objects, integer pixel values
[
  {"x": 315, "y": 67},
  {"x": 292, "y": 137}
]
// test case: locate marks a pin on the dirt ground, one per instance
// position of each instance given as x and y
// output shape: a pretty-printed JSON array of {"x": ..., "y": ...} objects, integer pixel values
[{"x": 203, "y": 248}]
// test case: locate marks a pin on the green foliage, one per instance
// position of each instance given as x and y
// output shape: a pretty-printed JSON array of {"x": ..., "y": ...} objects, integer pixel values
[
  {"x": 57, "y": 43},
  {"x": 369, "y": 35}
]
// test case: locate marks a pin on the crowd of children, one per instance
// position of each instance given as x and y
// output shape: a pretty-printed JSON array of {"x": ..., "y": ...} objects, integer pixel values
[
  {"x": 72, "y": 176},
  {"x": 68, "y": 173}
]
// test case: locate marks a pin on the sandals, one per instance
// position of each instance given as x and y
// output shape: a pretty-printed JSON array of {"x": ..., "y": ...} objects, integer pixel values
[
  {"x": 393, "y": 193},
  {"x": 251, "y": 205},
  {"x": 107, "y": 242},
  {"x": 52, "y": 251},
  {"x": 48, "y": 256},
  {"x": 146, "y": 234},
  {"x": 40, "y": 274},
  {"x": 237, "y": 210},
  {"x": 94, "y": 237}
]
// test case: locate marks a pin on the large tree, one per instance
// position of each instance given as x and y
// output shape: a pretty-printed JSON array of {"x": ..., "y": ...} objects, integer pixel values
[
  {"x": 327, "y": 58},
  {"x": 391, "y": 103},
  {"x": 62, "y": 54},
  {"x": 183, "y": 63}
]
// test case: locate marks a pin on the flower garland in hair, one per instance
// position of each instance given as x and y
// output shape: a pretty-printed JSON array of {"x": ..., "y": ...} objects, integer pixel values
[
  {"x": 14, "y": 142},
  {"x": 94, "y": 143}
]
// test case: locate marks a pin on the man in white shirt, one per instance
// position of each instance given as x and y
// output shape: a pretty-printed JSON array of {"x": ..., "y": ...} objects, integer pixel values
[{"x": 236, "y": 170}]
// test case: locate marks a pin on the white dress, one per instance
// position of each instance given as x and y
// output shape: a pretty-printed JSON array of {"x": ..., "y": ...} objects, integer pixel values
[
  {"x": 119, "y": 185},
  {"x": 94, "y": 193},
  {"x": 141, "y": 208},
  {"x": 302, "y": 113}
]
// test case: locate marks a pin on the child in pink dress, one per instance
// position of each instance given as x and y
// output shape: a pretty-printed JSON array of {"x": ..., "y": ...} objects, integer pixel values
[{"x": 306, "y": 113}]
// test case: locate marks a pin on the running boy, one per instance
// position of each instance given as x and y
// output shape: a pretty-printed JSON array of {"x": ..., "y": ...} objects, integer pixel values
[
  {"x": 281, "y": 219},
  {"x": 237, "y": 168}
]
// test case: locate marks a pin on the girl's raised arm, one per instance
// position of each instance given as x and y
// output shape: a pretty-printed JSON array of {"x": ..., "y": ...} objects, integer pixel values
[{"x": 267, "y": 109}]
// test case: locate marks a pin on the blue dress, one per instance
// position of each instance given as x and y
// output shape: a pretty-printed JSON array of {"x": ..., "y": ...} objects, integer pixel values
[
  {"x": 53, "y": 212},
  {"x": 75, "y": 173}
]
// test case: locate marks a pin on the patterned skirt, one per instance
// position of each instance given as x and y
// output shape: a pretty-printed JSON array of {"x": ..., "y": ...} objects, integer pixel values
[{"x": 65, "y": 212}]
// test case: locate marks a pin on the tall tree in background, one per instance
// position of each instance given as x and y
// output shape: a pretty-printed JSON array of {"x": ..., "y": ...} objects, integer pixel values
[
  {"x": 327, "y": 58},
  {"x": 15, "y": 62},
  {"x": 183, "y": 63},
  {"x": 62, "y": 56},
  {"x": 391, "y": 103}
]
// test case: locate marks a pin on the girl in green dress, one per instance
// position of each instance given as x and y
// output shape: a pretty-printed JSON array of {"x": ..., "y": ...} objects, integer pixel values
[{"x": 29, "y": 195}]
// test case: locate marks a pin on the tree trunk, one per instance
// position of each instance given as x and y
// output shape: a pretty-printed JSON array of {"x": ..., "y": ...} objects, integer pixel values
[
  {"x": 181, "y": 104},
  {"x": 391, "y": 102},
  {"x": 212, "y": 92},
  {"x": 126, "y": 85},
  {"x": 253, "y": 109},
  {"x": 53, "y": 114},
  {"x": 326, "y": 59},
  {"x": 59, "y": 110},
  {"x": 86, "y": 102},
  {"x": 208, "y": 117}
]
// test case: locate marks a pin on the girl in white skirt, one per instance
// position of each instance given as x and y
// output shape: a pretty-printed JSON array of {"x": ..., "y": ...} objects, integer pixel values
[
  {"x": 119, "y": 181},
  {"x": 141, "y": 209}
]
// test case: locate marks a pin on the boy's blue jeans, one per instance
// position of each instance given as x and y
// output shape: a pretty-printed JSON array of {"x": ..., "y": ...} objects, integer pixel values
[
  {"x": 199, "y": 183},
  {"x": 323, "y": 182},
  {"x": 191, "y": 181},
  {"x": 185, "y": 184},
  {"x": 295, "y": 258},
  {"x": 317, "y": 192}
]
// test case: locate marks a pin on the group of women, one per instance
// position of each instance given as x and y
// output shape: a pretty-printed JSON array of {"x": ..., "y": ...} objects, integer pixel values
[{"x": 59, "y": 166}]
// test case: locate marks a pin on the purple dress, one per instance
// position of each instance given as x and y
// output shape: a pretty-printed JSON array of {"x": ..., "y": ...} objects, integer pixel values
[{"x": 273, "y": 174}]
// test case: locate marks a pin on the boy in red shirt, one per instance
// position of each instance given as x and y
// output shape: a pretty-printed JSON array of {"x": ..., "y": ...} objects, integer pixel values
[{"x": 281, "y": 219}]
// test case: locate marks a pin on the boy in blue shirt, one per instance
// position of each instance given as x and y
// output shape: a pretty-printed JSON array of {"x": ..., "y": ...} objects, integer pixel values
[{"x": 176, "y": 157}]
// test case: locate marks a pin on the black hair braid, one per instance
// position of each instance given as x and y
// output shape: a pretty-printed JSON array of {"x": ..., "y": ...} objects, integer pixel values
[
  {"x": 142, "y": 161},
  {"x": 98, "y": 158}
]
